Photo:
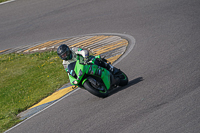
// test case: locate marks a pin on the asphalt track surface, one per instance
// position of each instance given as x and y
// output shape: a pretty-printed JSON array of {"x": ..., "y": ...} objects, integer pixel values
[{"x": 163, "y": 95}]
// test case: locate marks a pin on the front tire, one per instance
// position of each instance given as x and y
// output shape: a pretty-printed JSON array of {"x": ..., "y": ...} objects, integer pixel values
[{"x": 88, "y": 86}]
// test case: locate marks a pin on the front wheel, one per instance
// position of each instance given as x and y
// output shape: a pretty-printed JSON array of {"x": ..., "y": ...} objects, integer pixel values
[{"x": 99, "y": 93}]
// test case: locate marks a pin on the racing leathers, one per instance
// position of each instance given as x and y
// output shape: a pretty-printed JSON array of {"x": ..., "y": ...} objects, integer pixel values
[{"x": 75, "y": 51}]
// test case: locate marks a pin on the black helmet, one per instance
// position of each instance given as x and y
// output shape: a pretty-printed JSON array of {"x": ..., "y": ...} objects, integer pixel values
[{"x": 64, "y": 52}]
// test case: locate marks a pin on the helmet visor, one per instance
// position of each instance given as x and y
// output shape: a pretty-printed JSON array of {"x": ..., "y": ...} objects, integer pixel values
[{"x": 66, "y": 56}]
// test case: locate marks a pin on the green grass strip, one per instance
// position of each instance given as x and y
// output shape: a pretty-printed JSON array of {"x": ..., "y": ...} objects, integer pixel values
[
  {"x": 25, "y": 80},
  {"x": 3, "y": 0}
]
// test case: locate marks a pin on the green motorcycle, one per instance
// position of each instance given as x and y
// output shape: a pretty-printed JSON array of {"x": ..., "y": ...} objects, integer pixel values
[{"x": 93, "y": 78}]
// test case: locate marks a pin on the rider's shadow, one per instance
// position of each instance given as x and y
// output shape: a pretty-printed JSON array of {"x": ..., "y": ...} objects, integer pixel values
[{"x": 130, "y": 83}]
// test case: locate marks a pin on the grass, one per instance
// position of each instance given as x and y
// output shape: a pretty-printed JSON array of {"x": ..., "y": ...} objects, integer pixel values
[
  {"x": 3, "y": 0},
  {"x": 25, "y": 80}
]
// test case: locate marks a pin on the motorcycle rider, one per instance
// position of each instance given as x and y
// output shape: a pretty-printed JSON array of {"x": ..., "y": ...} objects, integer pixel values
[{"x": 69, "y": 56}]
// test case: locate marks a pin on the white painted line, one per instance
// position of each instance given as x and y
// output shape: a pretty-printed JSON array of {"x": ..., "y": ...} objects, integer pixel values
[{"x": 6, "y": 2}]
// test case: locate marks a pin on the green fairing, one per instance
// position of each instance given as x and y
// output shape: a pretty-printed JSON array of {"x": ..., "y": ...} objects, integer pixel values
[
  {"x": 84, "y": 68},
  {"x": 72, "y": 79},
  {"x": 106, "y": 78},
  {"x": 105, "y": 74},
  {"x": 80, "y": 67}
]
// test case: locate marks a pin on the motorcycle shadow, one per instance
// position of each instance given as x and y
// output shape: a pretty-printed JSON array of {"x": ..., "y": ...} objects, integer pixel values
[{"x": 130, "y": 83}]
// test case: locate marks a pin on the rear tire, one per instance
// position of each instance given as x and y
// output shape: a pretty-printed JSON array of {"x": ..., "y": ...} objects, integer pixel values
[
  {"x": 123, "y": 78},
  {"x": 87, "y": 85}
]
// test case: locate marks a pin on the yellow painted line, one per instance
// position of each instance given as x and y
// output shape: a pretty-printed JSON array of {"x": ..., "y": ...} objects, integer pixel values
[
  {"x": 4, "y": 50},
  {"x": 112, "y": 59},
  {"x": 55, "y": 96},
  {"x": 111, "y": 47},
  {"x": 105, "y": 46},
  {"x": 90, "y": 41},
  {"x": 46, "y": 44}
]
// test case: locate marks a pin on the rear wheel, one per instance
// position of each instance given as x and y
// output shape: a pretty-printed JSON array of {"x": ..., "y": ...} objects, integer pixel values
[
  {"x": 123, "y": 78},
  {"x": 99, "y": 93}
]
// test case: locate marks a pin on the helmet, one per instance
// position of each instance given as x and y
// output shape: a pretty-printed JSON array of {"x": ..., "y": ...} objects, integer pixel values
[{"x": 64, "y": 52}]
